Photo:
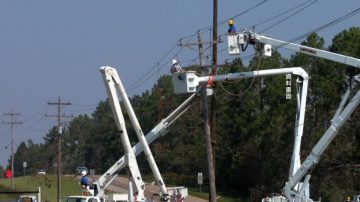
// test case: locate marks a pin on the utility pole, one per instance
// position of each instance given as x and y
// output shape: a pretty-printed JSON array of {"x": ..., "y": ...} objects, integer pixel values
[
  {"x": 201, "y": 50},
  {"x": 12, "y": 122},
  {"x": 208, "y": 90},
  {"x": 59, "y": 116},
  {"x": 200, "y": 44},
  {"x": 211, "y": 144}
]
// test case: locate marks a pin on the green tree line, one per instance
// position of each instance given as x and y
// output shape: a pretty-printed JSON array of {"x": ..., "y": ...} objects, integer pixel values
[{"x": 254, "y": 125}]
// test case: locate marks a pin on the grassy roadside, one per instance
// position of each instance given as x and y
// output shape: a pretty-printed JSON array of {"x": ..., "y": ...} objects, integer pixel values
[
  {"x": 48, "y": 184},
  {"x": 70, "y": 186},
  {"x": 220, "y": 196}
]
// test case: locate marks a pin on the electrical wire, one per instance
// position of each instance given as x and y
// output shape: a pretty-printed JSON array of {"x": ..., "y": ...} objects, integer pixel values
[
  {"x": 201, "y": 30},
  {"x": 237, "y": 15},
  {"x": 143, "y": 78},
  {"x": 40, "y": 112},
  {"x": 151, "y": 72},
  {"x": 282, "y": 13},
  {"x": 329, "y": 24},
  {"x": 247, "y": 89},
  {"x": 33, "y": 124},
  {"x": 84, "y": 105},
  {"x": 288, "y": 17}
]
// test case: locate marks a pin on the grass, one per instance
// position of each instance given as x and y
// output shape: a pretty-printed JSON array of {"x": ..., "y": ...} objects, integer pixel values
[
  {"x": 220, "y": 197},
  {"x": 70, "y": 186},
  {"x": 47, "y": 183}
]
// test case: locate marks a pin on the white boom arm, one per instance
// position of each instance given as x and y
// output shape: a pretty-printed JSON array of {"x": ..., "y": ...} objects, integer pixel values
[
  {"x": 191, "y": 81},
  {"x": 310, "y": 51},
  {"x": 130, "y": 159},
  {"x": 112, "y": 80},
  {"x": 340, "y": 117},
  {"x": 159, "y": 130},
  {"x": 263, "y": 45},
  {"x": 254, "y": 38}
]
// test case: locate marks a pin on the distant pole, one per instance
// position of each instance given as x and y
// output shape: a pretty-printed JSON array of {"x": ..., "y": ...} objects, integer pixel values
[
  {"x": 201, "y": 50},
  {"x": 200, "y": 45},
  {"x": 59, "y": 116},
  {"x": 12, "y": 122}
]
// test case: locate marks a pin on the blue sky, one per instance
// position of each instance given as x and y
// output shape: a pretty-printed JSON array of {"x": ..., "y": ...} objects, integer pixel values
[{"x": 55, "y": 48}]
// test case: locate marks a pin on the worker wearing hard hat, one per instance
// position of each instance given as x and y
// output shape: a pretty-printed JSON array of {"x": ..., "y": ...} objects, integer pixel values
[
  {"x": 176, "y": 68},
  {"x": 84, "y": 181},
  {"x": 231, "y": 29}
]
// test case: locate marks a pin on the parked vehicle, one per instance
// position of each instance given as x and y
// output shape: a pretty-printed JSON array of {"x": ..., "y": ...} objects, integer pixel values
[
  {"x": 41, "y": 172},
  {"x": 27, "y": 198},
  {"x": 80, "y": 169}
]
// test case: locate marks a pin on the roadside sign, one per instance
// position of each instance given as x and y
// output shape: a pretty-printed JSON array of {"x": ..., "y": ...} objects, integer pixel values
[{"x": 200, "y": 178}]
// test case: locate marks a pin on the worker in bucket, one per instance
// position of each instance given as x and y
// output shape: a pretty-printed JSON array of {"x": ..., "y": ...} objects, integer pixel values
[
  {"x": 176, "y": 68},
  {"x": 232, "y": 29},
  {"x": 84, "y": 181}
]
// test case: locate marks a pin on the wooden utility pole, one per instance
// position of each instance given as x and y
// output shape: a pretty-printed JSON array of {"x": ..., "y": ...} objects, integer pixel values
[
  {"x": 201, "y": 50},
  {"x": 206, "y": 91},
  {"x": 59, "y": 116},
  {"x": 211, "y": 135},
  {"x": 200, "y": 44},
  {"x": 12, "y": 122}
]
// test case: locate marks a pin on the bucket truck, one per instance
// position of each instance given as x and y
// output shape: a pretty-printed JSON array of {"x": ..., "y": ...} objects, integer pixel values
[
  {"x": 161, "y": 129},
  {"x": 191, "y": 83},
  {"x": 113, "y": 82},
  {"x": 173, "y": 193},
  {"x": 129, "y": 156},
  {"x": 293, "y": 189}
]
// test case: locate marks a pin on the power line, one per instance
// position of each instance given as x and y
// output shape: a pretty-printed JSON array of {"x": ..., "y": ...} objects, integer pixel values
[
  {"x": 280, "y": 14},
  {"x": 149, "y": 73},
  {"x": 288, "y": 17},
  {"x": 337, "y": 20},
  {"x": 39, "y": 113},
  {"x": 237, "y": 15},
  {"x": 143, "y": 78},
  {"x": 327, "y": 25},
  {"x": 33, "y": 124}
]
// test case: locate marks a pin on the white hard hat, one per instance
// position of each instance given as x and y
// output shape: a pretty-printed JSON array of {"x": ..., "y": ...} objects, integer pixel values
[
  {"x": 83, "y": 173},
  {"x": 174, "y": 61}
]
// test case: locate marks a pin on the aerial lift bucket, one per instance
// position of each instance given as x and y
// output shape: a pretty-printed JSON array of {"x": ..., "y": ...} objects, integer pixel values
[{"x": 185, "y": 82}]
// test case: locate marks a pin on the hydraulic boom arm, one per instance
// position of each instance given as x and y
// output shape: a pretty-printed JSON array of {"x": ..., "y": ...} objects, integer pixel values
[
  {"x": 343, "y": 59},
  {"x": 264, "y": 45},
  {"x": 340, "y": 117},
  {"x": 130, "y": 158},
  {"x": 159, "y": 130}
]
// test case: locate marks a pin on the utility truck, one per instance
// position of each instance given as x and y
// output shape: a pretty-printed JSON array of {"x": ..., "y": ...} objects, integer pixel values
[
  {"x": 192, "y": 83},
  {"x": 297, "y": 186},
  {"x": 113, "y": 84},
  {"x": 294, "y": 189}
]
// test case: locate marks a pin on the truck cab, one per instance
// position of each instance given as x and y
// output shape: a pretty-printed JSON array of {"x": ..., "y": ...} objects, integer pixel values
[
  {"x": 356, "y": 198},
  {"x": 27, "y": 198},
  {"x": 82, "y": 199}
]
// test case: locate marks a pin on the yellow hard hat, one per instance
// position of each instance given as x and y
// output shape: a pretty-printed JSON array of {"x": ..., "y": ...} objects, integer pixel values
[{"x": 231, "y": 22}]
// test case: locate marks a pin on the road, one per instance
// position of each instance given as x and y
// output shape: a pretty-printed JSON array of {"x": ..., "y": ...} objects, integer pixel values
[{"x": 120, "y": 185}]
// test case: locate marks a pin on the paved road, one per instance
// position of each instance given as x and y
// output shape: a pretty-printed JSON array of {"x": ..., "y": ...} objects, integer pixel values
[{"x": 120, "y": 185}]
